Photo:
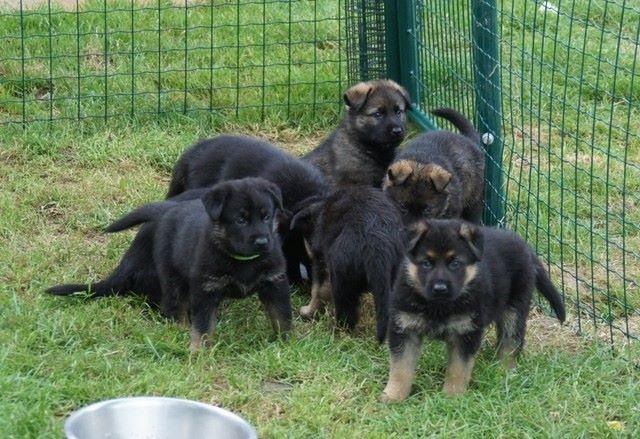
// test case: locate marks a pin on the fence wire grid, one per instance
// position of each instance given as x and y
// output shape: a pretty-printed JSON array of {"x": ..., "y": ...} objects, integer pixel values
[{"x": 555, "y": 82}]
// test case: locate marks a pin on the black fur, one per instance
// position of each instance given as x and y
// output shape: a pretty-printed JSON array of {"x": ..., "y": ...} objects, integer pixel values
[
  {"x": 229, "y": 157},
  {"x": 356, "y": 247},
  {"x": 456, "y": 280},
  {"x": 222, "y": 245}
]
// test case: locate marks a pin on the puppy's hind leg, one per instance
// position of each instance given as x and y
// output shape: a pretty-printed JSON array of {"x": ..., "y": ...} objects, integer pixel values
[
  {"x": 320, "y": 289},
  {"x": 510, "y": 329},
  {"x": 346, "y": 290}
]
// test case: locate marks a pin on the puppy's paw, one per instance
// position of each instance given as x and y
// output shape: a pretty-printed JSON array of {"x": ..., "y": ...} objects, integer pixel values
[
  {"x": 307, "y": 311},
  {"x": 386, "y": 399},
  {"x": 454, "y": 389}
]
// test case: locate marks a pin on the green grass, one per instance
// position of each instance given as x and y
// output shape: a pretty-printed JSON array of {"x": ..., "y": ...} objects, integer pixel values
[{"x": 63, "y": 181}]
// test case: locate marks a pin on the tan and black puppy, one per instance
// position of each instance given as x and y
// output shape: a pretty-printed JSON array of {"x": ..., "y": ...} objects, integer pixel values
[
  {"x": 456, "y": 279},
  {"x": 365, "y": 142},
  {"x": 440, "y": 174},
  {"x": 357, "y": 244}
]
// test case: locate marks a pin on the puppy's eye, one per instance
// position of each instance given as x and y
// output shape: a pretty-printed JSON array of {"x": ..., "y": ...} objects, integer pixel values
[
  {"x": 266, "y": 218},
  {"x": 426, "y": 264},
  {"x": 455, "y": 264},
  {"x": 377, "y": 115},
  {"x": 399, "y": 111},
  {"x": 426, "y": 211},
  {"x": 241, "y": 221}
]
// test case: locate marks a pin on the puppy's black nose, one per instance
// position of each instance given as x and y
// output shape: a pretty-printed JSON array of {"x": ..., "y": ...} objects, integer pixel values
[
  {"x": 440, "y": 288},
  {"x": 261, "y": 241},
  {"x": 397, "y": 131}
]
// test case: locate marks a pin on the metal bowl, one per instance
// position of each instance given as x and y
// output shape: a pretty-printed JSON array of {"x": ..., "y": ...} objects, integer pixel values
[{"x": 153, "y": 417}]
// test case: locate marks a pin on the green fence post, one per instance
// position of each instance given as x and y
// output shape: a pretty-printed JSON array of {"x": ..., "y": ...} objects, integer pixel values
[
  {"x": 488, "y": 104},
  {"x": 402, "y": 53}
]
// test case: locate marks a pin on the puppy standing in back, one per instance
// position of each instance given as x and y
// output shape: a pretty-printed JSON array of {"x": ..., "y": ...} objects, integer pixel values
[
  {"x": 456, "y": 279},
  {"x": 440, "y": 174},
  {"x": 227, "y": 157},
  {"x": 356, "y": 247},
  {"x": 365, "y": 142}
]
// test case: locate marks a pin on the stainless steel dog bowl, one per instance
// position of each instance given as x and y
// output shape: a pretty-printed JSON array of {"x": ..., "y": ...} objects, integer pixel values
[{"x": 155, "y": 418}]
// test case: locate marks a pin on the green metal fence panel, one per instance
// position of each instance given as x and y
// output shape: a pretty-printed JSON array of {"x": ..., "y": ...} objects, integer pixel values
[
  {"x": 557, "y": 86},
  {"x": 112, "y": 60}
]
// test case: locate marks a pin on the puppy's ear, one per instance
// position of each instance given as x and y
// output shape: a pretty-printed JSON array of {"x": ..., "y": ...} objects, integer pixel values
[
  {"x": 414, "y": 234},
  {"x": 398, "y": 173},
  {"x": 303, "y": 220},
  {"x": 439, "y": 176},
  {"x": 473, "y": 237},
  {"x": 356, "y": 96},
  {"x": 275, "y": 193},
  {"x": 214, "y": 200},
  {"x": 400, "y": 89}
]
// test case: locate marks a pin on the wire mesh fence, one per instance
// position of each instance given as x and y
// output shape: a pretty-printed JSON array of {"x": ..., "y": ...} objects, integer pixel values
[
  {"x": 559, "y": 93},
  {"x": 105, "y": 60},
  {"x": 568, "y": 135}
]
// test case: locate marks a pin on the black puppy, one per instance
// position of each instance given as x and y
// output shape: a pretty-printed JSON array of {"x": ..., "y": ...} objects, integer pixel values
[
  {"x": 456, "y": 279},
  {"x": 136, "y": 272},
  {"x": 356, "y": 247},
  {"x": 365, "y": 142},
  {"x": 229, "y": 157},
  {"x": 223, "y": 245},
  {"x": 440, "y": 174}
]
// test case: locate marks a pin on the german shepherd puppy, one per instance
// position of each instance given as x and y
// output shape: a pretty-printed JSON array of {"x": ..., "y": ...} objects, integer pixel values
[
  {"x": 440, "y": 174},
  {"x": 456, "y": 279},
  {"x": 365, "y": 142},
  {"x": 357, "y": 244},
  {"x": 224, "y": 245},
  {"x": 229, "y": 157}
]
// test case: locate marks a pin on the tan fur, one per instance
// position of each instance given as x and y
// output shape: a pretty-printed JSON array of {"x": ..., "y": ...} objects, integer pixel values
[
  {"x": 357, "y": 94},
  {"x": 398, "y": 173},
  {"x": 402, "y": 372},
  {"x": 320, "y": 295},
  {"x": 458, "y": 372},
  {"x": 412, "y": 322},
  {"x": 507, "y": 348},
  {"x": 439, "y": 176},
  {"x": 413, "y": 274}
]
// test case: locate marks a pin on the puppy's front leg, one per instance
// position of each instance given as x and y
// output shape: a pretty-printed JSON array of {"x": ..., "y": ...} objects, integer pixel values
[
  {"x": 405, "y": 348},
  {"x": 462, "y": 351},
  {"x": 274, "y": 295},
  {"x": 204, "y": 316}
]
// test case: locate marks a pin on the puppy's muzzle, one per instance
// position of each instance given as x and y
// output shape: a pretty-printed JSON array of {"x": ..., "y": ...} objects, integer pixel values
[
  {"x": 261, "y": 243},
  {"x": 440, "y": 289},
  {"x": 397, "y": 131}
]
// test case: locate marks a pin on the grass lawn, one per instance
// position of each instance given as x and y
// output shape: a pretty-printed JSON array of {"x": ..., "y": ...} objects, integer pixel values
[
  {"x": 59, "y": 354},
  {"x": 63, "y": 182}
]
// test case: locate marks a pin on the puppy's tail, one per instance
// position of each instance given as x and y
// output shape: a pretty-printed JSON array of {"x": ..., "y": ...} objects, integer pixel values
[
  {"x": 546, "y": 288},
  {"x": 135, "y": 273},
  {"x": 143, "y": 214},
  {"x": 459, "y": 121}
]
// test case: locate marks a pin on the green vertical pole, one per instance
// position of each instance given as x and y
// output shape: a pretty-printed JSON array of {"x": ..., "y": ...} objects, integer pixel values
[
  {"x": 402, "y": 53},
  {"x": 488, "y": 104}
]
